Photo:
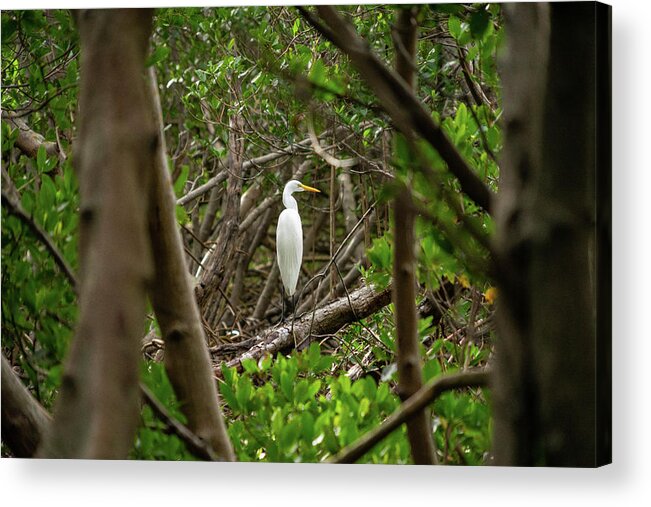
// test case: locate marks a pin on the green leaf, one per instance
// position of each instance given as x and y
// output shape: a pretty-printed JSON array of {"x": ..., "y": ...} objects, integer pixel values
[
  {"x": 229, "y": 396},
  {"x": 229, "y": 374},
  {"x": 41, "y": 159},
  {"x": 47, "y": 195},
  {"x": 301, "y": 391},
  {"x": 182, "y": 216},
  {"x": 249, "y": 365},
  {"x": 9, "y": 27},
  {"x": 431, "y": 369},
  {"x": 313, "y": 355},
  {"x": 307, "y": 426},
  {"x": 159, "y": 54},
  {"x": 454, "y": 26},
  {"x": 287, "y": 385},
  {"x": 179, "y": 184},
  {"x": 314, "y": 388},
  {"x": 479, "y": 23},
  {"x": 244, "y": 392}
]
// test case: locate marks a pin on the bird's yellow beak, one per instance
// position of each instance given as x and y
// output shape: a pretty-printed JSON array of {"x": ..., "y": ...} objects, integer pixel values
[{"x": 309, "y": 189}]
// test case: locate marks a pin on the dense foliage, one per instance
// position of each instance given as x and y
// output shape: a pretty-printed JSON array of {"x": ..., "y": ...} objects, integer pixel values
[{"x": 269, "y": 66}]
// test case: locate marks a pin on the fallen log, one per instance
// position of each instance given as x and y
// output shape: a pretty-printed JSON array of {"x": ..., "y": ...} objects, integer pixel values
[{"x": 323, "y": 321}]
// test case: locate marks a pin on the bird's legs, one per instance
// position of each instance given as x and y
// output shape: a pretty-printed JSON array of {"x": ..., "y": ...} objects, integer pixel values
[{"x": 294, "y": 318}]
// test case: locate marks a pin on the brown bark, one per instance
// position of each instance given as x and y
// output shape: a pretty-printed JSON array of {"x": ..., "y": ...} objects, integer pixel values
[
  {"x": 419, "y": 428},
  {"x": 523, "y": 75},
  {"x": 347, "y": 200},
  {"x": 249, "y": 243},
  {"x": 199, "y": 191},
  {"x": 267, "y": 293},
  {"x": 363, "y": 302},
  {"x": 97, "y": 411},
  {"x": 29, "y": 141},
  {"x": 187, "y": 361},
  {"x": 214, "y": 279},
  {"x": 209, "y": 218},
  {"x": 24, "y": 420},
  {"x": 545, "y": 378}
]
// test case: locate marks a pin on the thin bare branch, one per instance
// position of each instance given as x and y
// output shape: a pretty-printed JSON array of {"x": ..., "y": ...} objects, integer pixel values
[{"x": 410, "y": 408}]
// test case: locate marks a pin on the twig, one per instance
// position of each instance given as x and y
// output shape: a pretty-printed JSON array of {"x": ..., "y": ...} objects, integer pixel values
[
  {"x": 318, "y": 149},
  {"x": 410, "y": 407},
  {"x": 15, "y": 208},
  {"x": 193, "y": 443},
  {"x": 29, "y": 110}
]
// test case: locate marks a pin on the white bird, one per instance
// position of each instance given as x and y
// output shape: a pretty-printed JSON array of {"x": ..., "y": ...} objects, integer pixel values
[{"x": 289, "y": 237}]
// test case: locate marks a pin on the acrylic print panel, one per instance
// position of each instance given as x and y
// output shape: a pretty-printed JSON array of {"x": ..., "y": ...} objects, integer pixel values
[{"x": 349, "y": 234}]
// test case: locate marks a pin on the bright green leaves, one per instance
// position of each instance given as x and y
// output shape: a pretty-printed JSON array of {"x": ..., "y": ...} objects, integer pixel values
[
  {"x": 296, "y": 416},
  {"x": 475, "y": 26},
  {"x": 159, "y": 55},
  {"x": 380, "y": 255},
  {"x": 464, "y": 431},
  {"x": 327, "y": 83},
  {"x": 179, "y": 184},
  {"x": 153, "y": 441},
  {"x": 454, "y": 27}
]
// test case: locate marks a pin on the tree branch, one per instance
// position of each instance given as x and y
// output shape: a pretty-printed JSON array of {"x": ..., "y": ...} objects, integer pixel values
[
  {"x": 419, "y": 429},
  {"x": 97, "y": 410},
  {"x": 29, "y": 141},
  {"x": 410, "y": 408},
  {"x": 327, "y": 320},
  {"x": 195, "y": 444},
  {"x": 15, "y": 208},
  {"x": 24, "y": 420},
  {"x": 187, "y": 360},
  {"x": 404, "y": 108}
]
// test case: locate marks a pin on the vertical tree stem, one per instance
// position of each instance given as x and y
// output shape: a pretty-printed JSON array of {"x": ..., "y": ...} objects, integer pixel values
[
  {"x": 97, "y": 412},
  {"x": 187, "y": 360},
  {"x": 419, "y": 429}
]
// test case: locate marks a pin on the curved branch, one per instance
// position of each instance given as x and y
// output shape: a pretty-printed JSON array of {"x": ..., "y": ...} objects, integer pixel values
[
  {"x": 15, "y": 208},
  {"x": 404, "y": 108},
  {"x": 24, "y": 420},
  {"x": 187, "y": 361},
  {"x": 195, "y": 444},
  {"x": 410, "y": 408}
]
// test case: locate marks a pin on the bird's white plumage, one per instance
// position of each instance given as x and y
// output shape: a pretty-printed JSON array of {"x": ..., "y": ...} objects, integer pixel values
[
  {"x": 289, "y": 237},
  {"x": 289, "y": 248}
]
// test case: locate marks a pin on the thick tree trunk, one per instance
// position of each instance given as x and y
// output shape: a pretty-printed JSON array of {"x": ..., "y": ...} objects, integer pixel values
[
  {"x": 24, "y": 420},
  {"x": 545, "y": 382},
  {"x": 186, "y": 354},
  {"x": 97, "y": 412}
]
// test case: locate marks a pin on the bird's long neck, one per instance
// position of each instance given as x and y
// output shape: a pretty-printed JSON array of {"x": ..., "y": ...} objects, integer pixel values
[{"x": 288, "y": 200}]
